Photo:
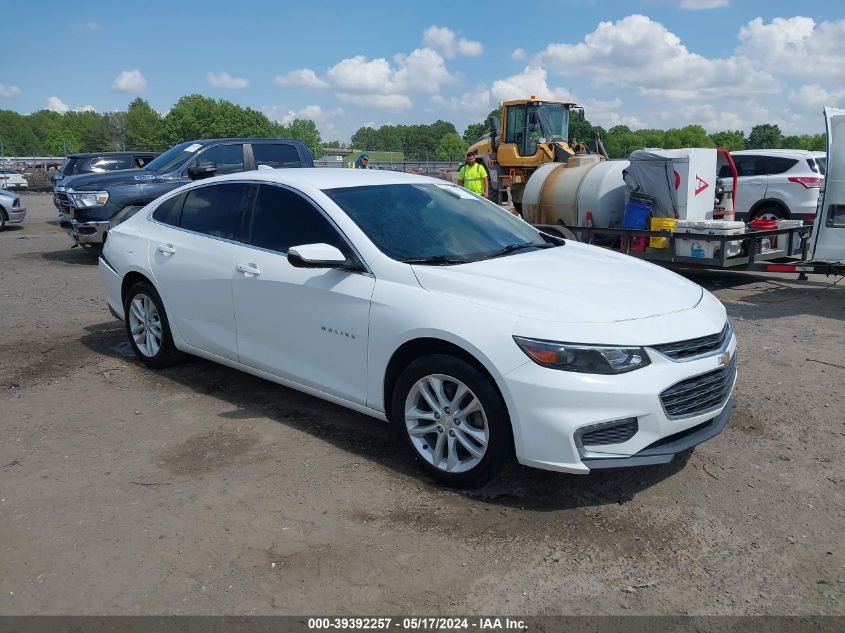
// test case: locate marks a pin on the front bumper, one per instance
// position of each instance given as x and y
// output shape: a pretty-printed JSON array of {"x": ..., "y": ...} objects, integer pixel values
[
  {"x": 16, "y": 215},
  {"x": 664, "y": 451},
  {"x": 549, "y": 409},
  {"x": 84, "y": 232}
]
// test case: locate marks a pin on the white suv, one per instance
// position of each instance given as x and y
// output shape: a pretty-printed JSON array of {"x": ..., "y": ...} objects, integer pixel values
[{"x": 777, "y": 183}]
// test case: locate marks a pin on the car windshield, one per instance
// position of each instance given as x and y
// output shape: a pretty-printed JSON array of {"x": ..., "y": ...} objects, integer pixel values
[
  {"x": 173, "y": 158},
  {"x": 435, "y": 224}
]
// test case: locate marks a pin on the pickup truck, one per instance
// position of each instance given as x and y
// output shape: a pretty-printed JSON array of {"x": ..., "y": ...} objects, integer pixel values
[{"x": 89, "y": 204}]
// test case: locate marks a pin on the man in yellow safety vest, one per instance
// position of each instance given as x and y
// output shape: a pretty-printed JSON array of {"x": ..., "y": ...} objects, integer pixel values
[{"x": 473, "y": 176}]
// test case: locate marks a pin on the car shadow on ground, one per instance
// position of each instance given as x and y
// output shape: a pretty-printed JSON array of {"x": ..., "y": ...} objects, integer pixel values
[
  {"x": 13, "y": 228},
  {"x": 79, "y": 255},
  {"x": 253, "y": 397}
]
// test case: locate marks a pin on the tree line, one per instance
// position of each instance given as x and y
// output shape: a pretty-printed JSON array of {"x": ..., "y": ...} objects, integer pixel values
[
  {"x": 141, "y": 127},
  {"x": 441, "y": 141},
  {"x": 195, "y": 116}
]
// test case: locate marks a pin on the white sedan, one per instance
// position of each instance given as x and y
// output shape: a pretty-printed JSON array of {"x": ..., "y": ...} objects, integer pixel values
[{"x": 411, "y": 300}]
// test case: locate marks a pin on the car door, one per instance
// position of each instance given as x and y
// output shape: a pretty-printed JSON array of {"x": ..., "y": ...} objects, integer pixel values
[
  {"x": 227, "y": 158},
  {"x": 751, "y": 181},
  {"x": 308, "y": 325},
  {"x": 828, "y": 237},
  {"x": 778, "y": 185},
  {"x": 191, "y": 253}
]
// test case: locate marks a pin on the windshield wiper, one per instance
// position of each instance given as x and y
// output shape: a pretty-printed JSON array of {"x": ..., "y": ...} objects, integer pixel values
[
  {"x": 435, "y": 260},
  {"x": 510, "y": 248}
]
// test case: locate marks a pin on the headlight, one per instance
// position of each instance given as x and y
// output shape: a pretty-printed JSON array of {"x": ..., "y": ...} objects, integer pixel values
[
  {"x": 587, "y": 359},
  {"x": 83, "y": 199}
]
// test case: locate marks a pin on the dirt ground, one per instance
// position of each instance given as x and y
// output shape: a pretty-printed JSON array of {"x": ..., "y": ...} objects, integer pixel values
[{"x": 200, "y": 489}]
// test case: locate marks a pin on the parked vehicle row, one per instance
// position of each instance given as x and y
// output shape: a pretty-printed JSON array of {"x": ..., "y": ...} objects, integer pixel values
[
  {"x": 90, "y": 204},
  {"x": 367, "y": 289},
  {"x": 11, "y": 209},
  {"x": 13, "y": 179}
]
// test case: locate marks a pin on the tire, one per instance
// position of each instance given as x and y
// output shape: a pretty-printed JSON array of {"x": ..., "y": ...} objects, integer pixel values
[
  {"x": 2, "y": 219},
  {"x": 770, "y": 213},
  {"x": 143, "y": 308},
  {"x": 443, "y": 445}
]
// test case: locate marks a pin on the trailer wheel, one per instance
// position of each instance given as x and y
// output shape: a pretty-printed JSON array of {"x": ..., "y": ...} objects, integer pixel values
[{"x": 561, "y": 231}]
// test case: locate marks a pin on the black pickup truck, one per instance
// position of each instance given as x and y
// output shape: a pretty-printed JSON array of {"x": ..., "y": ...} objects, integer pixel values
[{"x": 90, "y": 203}]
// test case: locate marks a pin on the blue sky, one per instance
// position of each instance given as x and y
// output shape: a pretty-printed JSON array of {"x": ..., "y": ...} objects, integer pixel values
[{"x": 726, "y": 64}]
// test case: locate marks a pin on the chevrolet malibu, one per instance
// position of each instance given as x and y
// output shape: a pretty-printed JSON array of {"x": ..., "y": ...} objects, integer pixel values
[{"x": 413, "y": 301}]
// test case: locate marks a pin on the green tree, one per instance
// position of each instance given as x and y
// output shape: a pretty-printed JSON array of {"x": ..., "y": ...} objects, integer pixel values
[
  {"x": 144, "y": 126},
  {"x": 451, "y": 147},
  {"x": 305, "y": 130},
  {"x": 191, "y": 118},
  {"x": 60, "y": 141},
  {"x": 731, "y": 140},
  {"x": 764, "y": 136},
  {"x": 17, "y": 135},
  {"x": 474, "y": 132}
]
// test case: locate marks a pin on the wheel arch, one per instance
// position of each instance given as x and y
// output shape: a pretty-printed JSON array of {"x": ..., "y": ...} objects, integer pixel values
[
  {"x": 131, "y": 278},
  {"x": 416, "y": 348},
  {"x": 768, "y": 203}
]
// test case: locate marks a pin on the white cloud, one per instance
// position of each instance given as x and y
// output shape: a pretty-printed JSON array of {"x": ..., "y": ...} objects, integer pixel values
[
  {"x": 225, "y": 80},
  {"x": 443, "y": 39},
  {"x": 423, "y": 70},
  {"x": 56, "y": 105},
  {"x": 304, "y": 77},
  {"x": 607, "y": 114},
  {"x": 695, "y": 5},
  {"x": 637, "y": 53},
  {"x": 519, "y": 54},
  {"x": 285, "y": 116},
  {"x": 796, "y": 46},
  {"x": 474, "y": 103},
  {"x": 7, "y": 92},
  {"x": 813, "y": 97},
  {"x": 530, "y": 82},
  {"x": 131, "y": 81},
  {"x": 85, "y": 108}
]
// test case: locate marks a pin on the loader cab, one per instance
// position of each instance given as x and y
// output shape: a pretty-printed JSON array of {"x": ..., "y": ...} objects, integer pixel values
[{"x": 529, "y": 126}]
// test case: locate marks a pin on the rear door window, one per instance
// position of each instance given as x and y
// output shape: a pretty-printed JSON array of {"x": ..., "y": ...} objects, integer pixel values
[
  {"x": 817, "y": 165},
  {"x": 275, "y": 155},
  {"x": 214, "y": 210},
  {"x": 750, "y": 165},
  {"x": 228, "y": 159},
  {"x": 779, "y": 164},
  {"x": 168, "y": 211}
]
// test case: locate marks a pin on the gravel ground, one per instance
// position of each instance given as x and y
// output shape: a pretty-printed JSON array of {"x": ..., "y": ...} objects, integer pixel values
[{"x": 200, "y": 489}]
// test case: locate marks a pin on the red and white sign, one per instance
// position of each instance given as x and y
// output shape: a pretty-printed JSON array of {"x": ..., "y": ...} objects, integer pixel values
[{"x": 700, "y": 184}]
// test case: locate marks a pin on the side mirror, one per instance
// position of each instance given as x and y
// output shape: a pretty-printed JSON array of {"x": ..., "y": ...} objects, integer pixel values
[
  {"x": 203, "y": 170},
  {"x": 317, "y": 256}
]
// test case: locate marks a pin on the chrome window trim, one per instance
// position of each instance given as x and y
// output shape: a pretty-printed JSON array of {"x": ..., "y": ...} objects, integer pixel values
[{"x": 367, "y": 270}]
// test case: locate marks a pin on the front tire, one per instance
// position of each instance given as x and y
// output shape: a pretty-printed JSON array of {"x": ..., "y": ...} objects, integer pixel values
[
  {"x": 770, "y": 213},
  {"x": 148, "y": 328},
  {"x": 450, "y": 417},
  {"x": 2, "y": 220}
]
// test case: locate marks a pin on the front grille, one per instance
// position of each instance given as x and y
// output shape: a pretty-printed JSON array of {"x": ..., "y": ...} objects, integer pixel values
[
  {"x": 685, "y": 350},
  {"x": 699, "y": 394},
  {"x": 611, "y": 434},
  {"x": 64, "y": 203}
]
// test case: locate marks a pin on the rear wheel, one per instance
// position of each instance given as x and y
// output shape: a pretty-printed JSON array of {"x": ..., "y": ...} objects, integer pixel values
[
  {"x": 769, "y": 213},
  {"x": 452, "y": 420},
  {"x": 148, "y": 328}
]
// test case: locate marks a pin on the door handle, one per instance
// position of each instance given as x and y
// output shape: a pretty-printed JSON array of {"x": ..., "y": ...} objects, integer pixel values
[
  {"x": 166, "y": 249},
  {"x": 249, "y": 270}
]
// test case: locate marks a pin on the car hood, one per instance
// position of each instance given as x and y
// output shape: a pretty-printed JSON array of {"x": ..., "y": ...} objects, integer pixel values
[
  {"x": 8, "y": 197},
  {"x": 573, "y": 283},
  {"x": 105, "y": 179}
]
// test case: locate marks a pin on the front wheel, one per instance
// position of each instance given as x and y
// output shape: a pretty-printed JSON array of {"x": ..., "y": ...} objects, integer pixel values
[
  {"x": 769, "y": 213},
  {"x": 2, "y": 219},
  {"x": 148, "y": 328},
  {"x": 452, "y": 419}
]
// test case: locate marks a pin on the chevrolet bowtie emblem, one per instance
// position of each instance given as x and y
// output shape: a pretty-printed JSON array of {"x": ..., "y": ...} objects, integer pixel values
[{"x": 725, "y": 358}]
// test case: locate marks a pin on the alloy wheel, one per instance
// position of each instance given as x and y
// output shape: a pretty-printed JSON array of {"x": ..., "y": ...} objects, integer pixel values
[
  {"x": 145, "y": 325},
  {"x": 446, "y": 423}
]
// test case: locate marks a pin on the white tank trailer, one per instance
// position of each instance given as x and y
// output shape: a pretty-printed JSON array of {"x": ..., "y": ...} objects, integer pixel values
[{"x": 563, "y": 193}]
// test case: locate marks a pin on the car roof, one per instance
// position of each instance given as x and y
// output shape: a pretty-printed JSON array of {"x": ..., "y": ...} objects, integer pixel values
[
  {"x": 777, "y": 152},
  {"x": 93, "y": 154},
  {"x": 328, "y": 177}
]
